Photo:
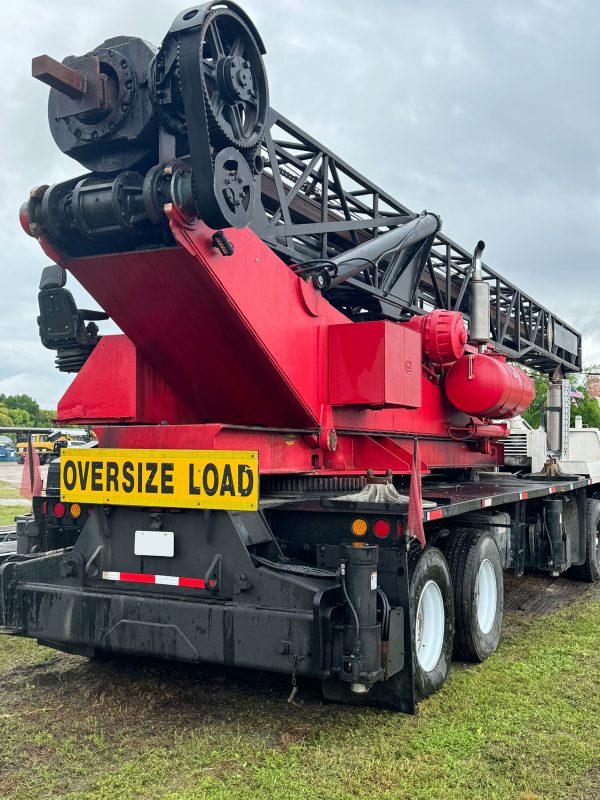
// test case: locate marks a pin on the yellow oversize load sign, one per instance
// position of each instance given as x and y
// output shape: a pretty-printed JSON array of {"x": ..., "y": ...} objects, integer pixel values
[{"x": 226, "y": 479}]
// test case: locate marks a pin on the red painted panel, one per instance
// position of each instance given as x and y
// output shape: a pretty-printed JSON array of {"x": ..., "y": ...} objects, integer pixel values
[
  {"x": 241, "y": 338},
  {"x": 117, "y": 384},
  {"x": 374, "y": 364},
  {"x": 244, "y": 342}
]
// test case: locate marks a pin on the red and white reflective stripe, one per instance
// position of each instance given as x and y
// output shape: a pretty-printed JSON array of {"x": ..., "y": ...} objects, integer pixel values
[
  {"x": 437, "y": 514},
  {"x": 523, "y": 495},
  {"x": 163, "y": 580},
  {"x": 552, "y": 490},
  {"x": 485, "y": 503},
  {"x": 590, "y": 481}
]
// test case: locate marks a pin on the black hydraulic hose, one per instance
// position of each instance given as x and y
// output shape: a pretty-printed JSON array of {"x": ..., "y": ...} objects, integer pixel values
[
  {"x": 352, "y": 609},
  {"x": 549, "y": 537},
  {"x": 385, "y": 615}
]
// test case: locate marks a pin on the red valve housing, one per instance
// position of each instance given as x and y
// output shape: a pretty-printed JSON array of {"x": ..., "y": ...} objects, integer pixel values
[
  {"x": 486, "y": 386},
  {"x": 443, "y": 334}
]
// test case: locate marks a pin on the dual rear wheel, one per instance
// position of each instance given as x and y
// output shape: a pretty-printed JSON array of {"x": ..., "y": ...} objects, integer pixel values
[
  {"x": 457, "y": 605},
  {"x": 458, "y": 598},
  {"x": 457, "y": 601}
]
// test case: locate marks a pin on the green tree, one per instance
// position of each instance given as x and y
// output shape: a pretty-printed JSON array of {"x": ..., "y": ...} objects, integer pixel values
[
  {"x": 22, "y": 402},
  {"x": 47, "y": 417},
  {"x": 5, "y": 416},
  {"x": 586, "y": 407},
  {"x": 14, "y": 417},
  {"x": 535, "y": 413},
  {"x": 21, "y": 409}
]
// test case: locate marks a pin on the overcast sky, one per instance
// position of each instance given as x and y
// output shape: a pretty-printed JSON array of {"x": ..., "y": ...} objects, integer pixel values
[{"x": 487, "y": 113}]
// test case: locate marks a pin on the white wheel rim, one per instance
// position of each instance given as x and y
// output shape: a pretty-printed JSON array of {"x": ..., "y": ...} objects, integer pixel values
[
  {"x": 486, "y": 596},
  {"x": 430, "y": 626}
]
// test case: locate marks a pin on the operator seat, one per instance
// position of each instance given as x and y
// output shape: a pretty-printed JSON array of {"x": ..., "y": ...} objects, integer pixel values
[{"x": 62, "y": 325}]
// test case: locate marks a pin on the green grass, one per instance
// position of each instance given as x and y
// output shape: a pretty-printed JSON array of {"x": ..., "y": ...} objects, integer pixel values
[
  {"x": 8, "y": 513},
  {"x": 524, "y": 725},
  {"x": 9, "y": 491}
]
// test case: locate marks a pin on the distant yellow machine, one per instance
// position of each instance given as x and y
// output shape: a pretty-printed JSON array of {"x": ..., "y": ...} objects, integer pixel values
[
  {"x": 41, "y": 442},
  {"x": 48, "y": 444}
]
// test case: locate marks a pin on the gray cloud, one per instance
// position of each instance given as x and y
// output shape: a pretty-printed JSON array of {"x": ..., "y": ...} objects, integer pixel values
[{"x": 483, "y": 112}]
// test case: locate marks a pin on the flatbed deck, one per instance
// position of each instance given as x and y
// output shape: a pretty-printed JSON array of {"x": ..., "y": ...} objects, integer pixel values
[
  {"x": 456, "y": 499},
  {"x": 451, "y": 499}
]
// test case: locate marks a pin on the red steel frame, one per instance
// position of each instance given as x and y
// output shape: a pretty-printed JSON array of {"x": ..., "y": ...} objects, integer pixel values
[{"x": 233, "y": 353}]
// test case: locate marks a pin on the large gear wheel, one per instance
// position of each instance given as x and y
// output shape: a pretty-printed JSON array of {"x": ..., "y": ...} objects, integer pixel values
[
  {"x": 209, "y": 85},
  {"x": 234, "y": 81}
]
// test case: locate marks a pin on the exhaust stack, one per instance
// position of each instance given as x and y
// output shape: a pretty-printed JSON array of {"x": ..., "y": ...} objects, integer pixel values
[{"x": 480, "y": 302}]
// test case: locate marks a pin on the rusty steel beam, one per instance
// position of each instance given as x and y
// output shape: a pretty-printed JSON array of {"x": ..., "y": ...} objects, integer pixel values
[{"x": 51, "y": 72}]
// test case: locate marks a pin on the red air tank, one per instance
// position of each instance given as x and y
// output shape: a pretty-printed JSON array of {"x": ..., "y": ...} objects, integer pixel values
[{"x": 486, "y": 386}]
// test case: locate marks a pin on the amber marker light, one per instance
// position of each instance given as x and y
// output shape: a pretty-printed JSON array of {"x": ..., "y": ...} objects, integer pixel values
[{"x": 359, "y": 526}]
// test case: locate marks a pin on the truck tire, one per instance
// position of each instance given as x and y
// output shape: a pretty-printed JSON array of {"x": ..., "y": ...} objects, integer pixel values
[
  {"x": 589, "y": 571},
  {"x": 432, "y": 612},
  {"x": 476, "y": 571}
]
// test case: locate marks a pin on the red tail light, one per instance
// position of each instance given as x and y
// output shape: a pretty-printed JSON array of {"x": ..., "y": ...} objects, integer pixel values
[
  {"x": 381, "y": 528},
  {"x": 59, "y": 510}
]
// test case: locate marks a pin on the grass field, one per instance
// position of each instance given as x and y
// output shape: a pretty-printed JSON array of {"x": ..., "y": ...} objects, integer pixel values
[
  {"x": 8, "y": 513},
  {"x": 524, "y": 725},
  {"x": 10, "y": 491}
]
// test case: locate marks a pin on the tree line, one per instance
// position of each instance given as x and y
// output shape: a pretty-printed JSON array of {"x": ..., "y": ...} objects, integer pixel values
[{"x": 20, "y": 410}]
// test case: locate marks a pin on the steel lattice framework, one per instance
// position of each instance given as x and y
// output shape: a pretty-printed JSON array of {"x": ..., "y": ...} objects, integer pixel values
[{"x": 317, "y": 206}]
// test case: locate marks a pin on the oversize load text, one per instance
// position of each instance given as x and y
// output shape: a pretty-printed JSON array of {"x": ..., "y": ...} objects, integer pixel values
[{"x": 208, "y": 479}]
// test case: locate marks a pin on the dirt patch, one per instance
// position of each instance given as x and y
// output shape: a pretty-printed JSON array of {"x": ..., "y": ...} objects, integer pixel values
[
  {"x": 185, "y": 694},
  {"x": 539, "y": 594},
  {"x": 591, "y": 786}
]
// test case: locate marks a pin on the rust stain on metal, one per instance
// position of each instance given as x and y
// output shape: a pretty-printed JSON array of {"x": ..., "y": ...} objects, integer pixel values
[{"x": 58, "y": 76}]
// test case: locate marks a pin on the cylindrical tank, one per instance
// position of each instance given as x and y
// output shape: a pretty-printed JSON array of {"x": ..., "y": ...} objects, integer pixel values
[{"x": 486, "y": 386}]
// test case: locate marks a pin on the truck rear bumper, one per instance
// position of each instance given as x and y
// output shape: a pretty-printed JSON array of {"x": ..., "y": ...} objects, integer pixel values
[
  {"x": 162, "y": 627},
  {"x": 276, "y": 616}
]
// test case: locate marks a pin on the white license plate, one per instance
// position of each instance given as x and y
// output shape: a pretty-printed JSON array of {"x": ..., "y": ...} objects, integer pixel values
[{"x": 154, "y": 543}]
